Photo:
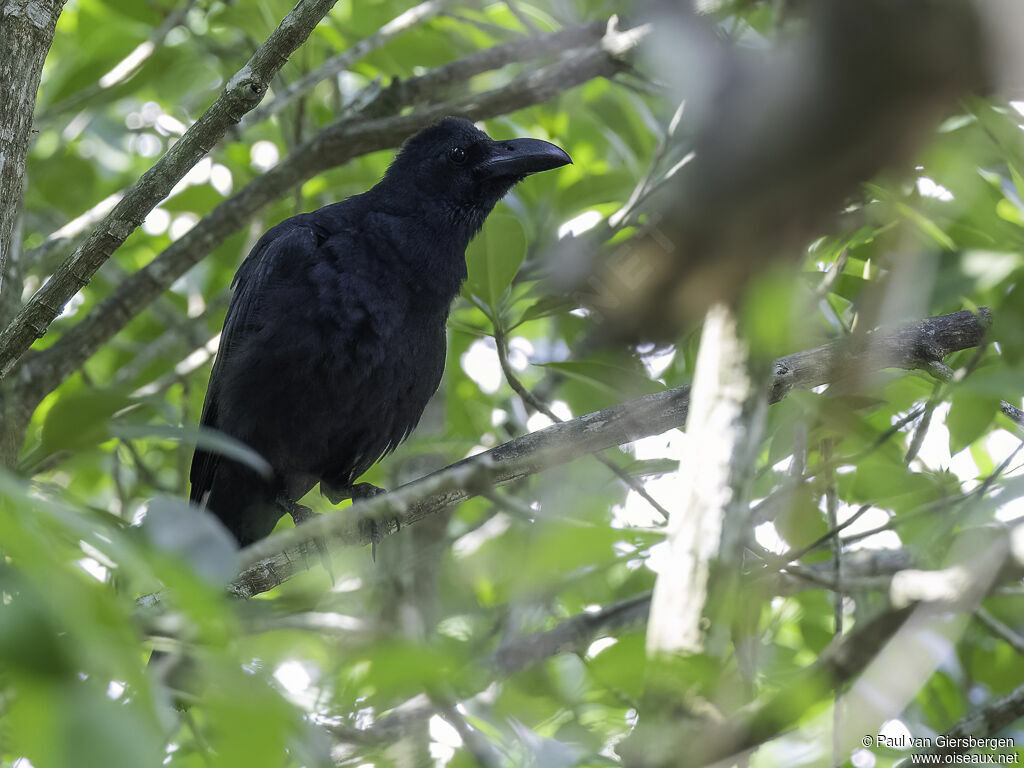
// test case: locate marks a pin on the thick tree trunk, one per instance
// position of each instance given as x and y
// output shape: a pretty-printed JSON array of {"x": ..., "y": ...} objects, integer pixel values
[{"x": 26, "y": 32}]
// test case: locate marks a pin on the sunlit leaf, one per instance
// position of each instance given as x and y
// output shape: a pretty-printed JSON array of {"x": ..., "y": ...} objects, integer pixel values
[{"x": 494, "y": 256}]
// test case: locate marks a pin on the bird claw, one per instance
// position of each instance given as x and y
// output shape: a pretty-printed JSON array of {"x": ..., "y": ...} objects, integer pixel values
[
  {"x": 376, "y": 530},
  {"x": 365, "y": 491},
  {"x": 369, "y": 528},
  {"x": 338, "y": 493},
  {"x": 301, "y": 514},
  {"x": 372, "y": 528}
]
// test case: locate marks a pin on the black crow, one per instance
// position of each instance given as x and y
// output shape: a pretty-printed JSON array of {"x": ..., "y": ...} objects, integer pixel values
[{"x": 335, "y": 337}]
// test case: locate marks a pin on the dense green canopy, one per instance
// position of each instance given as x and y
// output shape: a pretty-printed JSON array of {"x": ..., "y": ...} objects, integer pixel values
[{"x": 872, "y": 541}]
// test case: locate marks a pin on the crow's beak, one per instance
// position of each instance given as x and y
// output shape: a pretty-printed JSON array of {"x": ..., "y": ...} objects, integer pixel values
[{"x": 521, "y": 157}]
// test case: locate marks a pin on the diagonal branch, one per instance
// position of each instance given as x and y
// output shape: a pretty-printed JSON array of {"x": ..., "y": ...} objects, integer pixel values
[
  {"x": 334, "y": 145},
  {"x": 1000, "y": 630},
  {"x": 241, "y": 94},
  {"x": 574, "y": 634},
  {"x": 983, "y": 723},
  {"x": 421, "y": 87},
  {"x": 571, "y": 635},
  {"x": 274, "y": 560}
]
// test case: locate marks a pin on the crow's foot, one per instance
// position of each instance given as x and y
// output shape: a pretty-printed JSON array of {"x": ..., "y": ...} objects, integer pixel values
[
  {"x": 365, "y": 491},
  {"x": 301, "y": 514},
  {"x": 370, "y": 528},
  {"x": 373, "y": 528}
]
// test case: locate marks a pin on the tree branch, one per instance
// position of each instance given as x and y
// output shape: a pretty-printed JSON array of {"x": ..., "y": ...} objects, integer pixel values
[
  {"x": 577, "y": 632},
  {"x": 241, "y": 94},
  {"x": 372, "y": 101},
  {"x": 1000, "y": 630},
  {"x": 26, "y": 32},
  {"x": 571, "y": 635},
  {"x": 334, "y": 145},
  {"x": 984, "y": 723},
  {"x": 272, "y": 561},
  {"x": 839, "y": 664},
  {"x": 916, "y": 346},
  {"x": 416, "y": 89}
]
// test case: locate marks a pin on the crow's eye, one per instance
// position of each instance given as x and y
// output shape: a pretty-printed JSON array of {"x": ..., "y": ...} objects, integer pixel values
[{"x": 457, "y": 155}]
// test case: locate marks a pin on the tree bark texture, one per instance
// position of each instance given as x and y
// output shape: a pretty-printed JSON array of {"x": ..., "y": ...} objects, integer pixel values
[{"x": 26, "y": 32}]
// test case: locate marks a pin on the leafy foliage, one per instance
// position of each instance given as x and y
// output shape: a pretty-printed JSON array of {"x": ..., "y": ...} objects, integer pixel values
[{"x": 402, "y": 657}]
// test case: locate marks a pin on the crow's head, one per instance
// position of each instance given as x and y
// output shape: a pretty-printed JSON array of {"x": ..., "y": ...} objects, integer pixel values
[{"x": 455, "y": 164}]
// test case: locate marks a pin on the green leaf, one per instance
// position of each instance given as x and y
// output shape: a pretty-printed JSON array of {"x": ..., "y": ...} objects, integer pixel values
[
  {"x": 81, "y": 419},
  {"x": 76, "y": 723},
  {"x": 652, "y": 467},
  {"x": 193, "y": 534},
  {"x": 135, "y": 10},
  {"x": 801, "y": 522},
  {"x": 201, "y": 437},
  {"x": 252, "y": 721},
  {"x": 881, "y": 480},
  {"x": 927, "y": 226},
  {"x": 608, "y": 378},
  {"x": 1008, "y": 211},
  {"x": 969, "y": 417},
  {"x": 493, "y": 258},
  {"x": 544, "y": 307},
  {"x": 1018, "y": 180},
  {"x": 1008, "y": 321},
  {"x": 621, "y": 667}
]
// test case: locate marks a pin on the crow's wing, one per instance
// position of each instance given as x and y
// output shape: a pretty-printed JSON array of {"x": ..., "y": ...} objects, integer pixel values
[{"x": 289, "y": 240}]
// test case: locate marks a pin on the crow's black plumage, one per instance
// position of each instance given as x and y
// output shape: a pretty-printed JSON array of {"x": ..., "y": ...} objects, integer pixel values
[{"x": 335, "y": 337}]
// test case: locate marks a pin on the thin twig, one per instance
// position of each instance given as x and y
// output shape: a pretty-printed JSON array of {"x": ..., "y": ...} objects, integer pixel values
[
  {"x": 944, "y": 503},
  {"x": 926, "y": 419},
  {"x": 539, "y": 405},
  {"x": 797, "y": 554},
  {"x": 763, "y": 509},
  {"x": 483, "y": 752},
  {"x": 836, "y": 546},
  {"x": 1014, "y": 639}
]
